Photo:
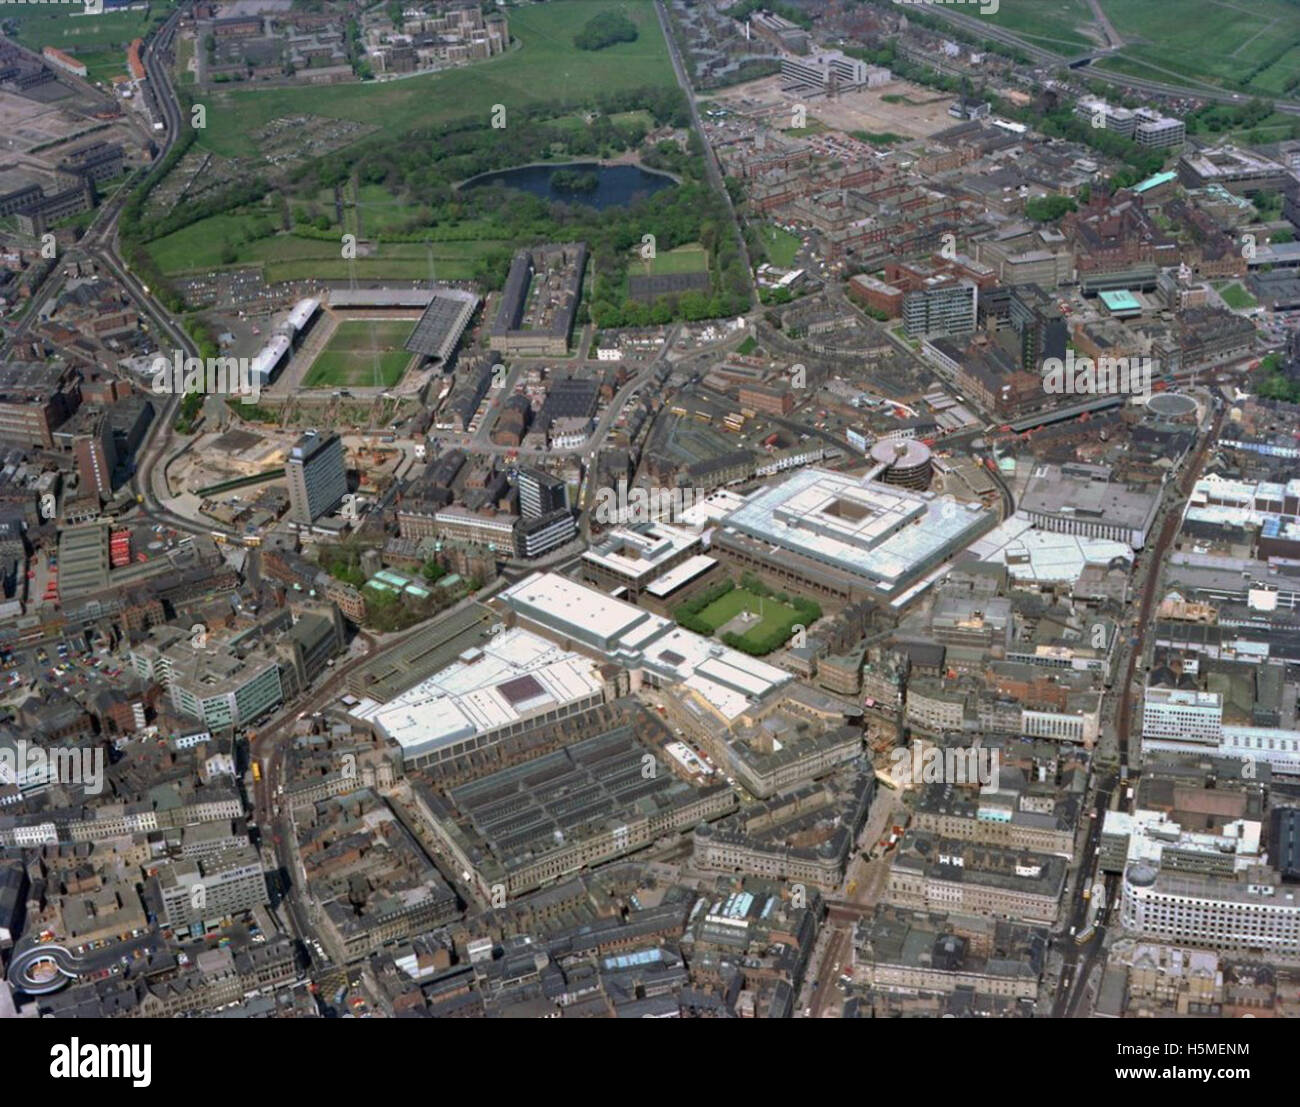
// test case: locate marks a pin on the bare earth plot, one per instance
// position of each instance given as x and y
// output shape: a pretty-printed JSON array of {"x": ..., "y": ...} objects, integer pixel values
[{"x": 919, "y": 113}]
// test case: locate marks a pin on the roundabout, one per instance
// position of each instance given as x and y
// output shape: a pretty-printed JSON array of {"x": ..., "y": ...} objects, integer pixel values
[{"x": 44, "y": 968}]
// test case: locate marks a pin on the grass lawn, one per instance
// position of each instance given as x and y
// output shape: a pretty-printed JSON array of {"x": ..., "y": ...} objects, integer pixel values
[
  {"x": 781, "y": 246},
  {"x": 691, "y": 258},
  {"x": 382, "y": 212},
  {"x": 1051, "y": 24},
  {"x": 287, "y": 257},
  {"x": 747, "y": 347},
  {"x": 184, "y": 52},
  {"x": 814, "y": 127},
  {"x": 364, "y": 353},
  {"x": 68, "y": 27},
  {"x": 626, "y": 118},
  {"x": 103, "y": 65},
  {"x": 878, "y": 138},
  {"x": 447, "y": 261},
  {"x": 1237, "y": 297},
  {"x": 775, "y": 614},
  {"x": 1212, "y": 40},
  {"x": 545, "y": 67},
  {"x": 200, "y": 245}
]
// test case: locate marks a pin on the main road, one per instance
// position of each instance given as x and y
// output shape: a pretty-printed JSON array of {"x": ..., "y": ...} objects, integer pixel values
[
  {"x": 1081, "y": 961},
  {"x": 710, "y": 161}
]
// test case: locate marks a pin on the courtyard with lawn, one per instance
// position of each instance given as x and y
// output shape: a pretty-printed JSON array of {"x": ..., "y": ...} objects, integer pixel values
[{"x": 751, "y": 618}]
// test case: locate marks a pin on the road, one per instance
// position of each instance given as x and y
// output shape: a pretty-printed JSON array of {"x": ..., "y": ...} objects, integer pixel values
[
  {"x": 99, "y": 240},
  {"x": 1077, "y": 911},
  {"x": 1113, "y": 39},
  {"x": 99, "y": 243},
  {"x": 267, "y": 747},
  {"x": 25, "y": 973},
  {"x": 1155, "y": 559},
  {"x": 480, "y": 443},
  {"x": 1081, "y": 960},
  {"x": 710, "y": 160}
]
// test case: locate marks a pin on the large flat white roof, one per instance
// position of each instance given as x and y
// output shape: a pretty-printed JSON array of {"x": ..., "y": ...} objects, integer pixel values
[
  {"x": 565, "y": 601},
  {"x": 873, "y": 530},
  {"x": 635, "y": 638},
  {"x": 516, "y": 675},
  {"x": 688, "y": 570},
  {"x": 1044, "y": 556},
  {"x": 711, "y": 508},
  {"x": 636, "y": 553}
]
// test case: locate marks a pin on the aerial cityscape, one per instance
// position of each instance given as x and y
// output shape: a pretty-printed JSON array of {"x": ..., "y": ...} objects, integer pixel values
[{"x": 650, "y": 509}]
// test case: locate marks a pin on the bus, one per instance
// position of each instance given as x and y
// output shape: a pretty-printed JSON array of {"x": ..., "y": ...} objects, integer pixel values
[
  {"x": 257, "y": 772},
  {"x": 1085, "y": 935}
]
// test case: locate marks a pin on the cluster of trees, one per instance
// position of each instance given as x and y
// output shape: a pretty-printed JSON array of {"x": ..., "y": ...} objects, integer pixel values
[
  {"x": 388, "y": 611},
  {"x": 343, "y": 562},
  {"x": 1139, "y": 162},
  {"x": 574, "y": 180},
  {"x": 888, "y": 56},
  {"x": 605, "y": 29},
  {"x": 1048, "y": 209},
  {"x": 205, "y": 339},
  {"x": 746, "y": 8},
  {"x": 1213, "y": 118},
  {"x": 134, "y": 231},
  {"x": 1273, "y": 383},
  {"x": 357, "y": 52}
]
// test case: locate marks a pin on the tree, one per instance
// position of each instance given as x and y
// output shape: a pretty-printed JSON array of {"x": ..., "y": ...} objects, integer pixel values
[
  {"x": 1047, "y": 209},
  {"x": 604, "y": 30}
]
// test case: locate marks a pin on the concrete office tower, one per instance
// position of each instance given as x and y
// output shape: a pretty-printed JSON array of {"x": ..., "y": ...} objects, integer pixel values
[
  {"x": 540, "y": 493},
  {"x": 317, "y": 476},
  {"x": 96, "y": 457}
]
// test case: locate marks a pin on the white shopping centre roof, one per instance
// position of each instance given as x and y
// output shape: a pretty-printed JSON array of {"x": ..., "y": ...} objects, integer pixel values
[
  {"x": 688, "y": 570},
  {"x": 635, "y": 638},
  {"x": 1044, "y": 556},
  {"x": 516, "y": 675}
]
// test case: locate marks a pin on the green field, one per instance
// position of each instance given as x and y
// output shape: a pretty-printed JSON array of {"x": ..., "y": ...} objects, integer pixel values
[
  {"x": 103, "y": 65},
  {"x": 1237, "y": 297},
  {"x": 381, "y": 212},
  {"x": 362, "y": 353},
  {"x": 100, "y": 41},
  {"x": 1050, "y": 24},
  {"x": 691, "y": 258},
  {"x": 201, "y": 244},
  {"x": 445, "y": 261},
  {"x": 545, "y": 66},
  {"x": 781, "y": 246},
  {"x": 1255, "y": 46},
  {"x": 813, "y": 127},
  {"x": 878, "y": 138},
  {"x": 226, "y": 239},
  {"x": 775, "y": 615},
  {"x": 627, "y": 118}
]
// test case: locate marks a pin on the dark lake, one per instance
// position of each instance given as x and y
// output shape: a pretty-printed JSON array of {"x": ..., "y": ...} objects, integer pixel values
[{"x": 617, "y": 185}]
